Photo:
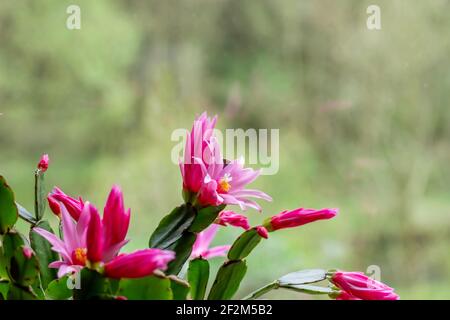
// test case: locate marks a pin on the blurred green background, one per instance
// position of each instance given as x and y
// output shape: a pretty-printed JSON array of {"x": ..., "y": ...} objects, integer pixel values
[{"x": 363, "y": 117}]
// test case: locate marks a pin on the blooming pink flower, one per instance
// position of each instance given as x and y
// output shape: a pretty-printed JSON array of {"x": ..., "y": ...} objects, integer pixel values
[
  {"x": 196, "y": 143},
  {"x": 233, "y": 219},
  {"x": 204, "y": 239},
  {"x": 298, "y": 217},
  {"x": 138, "y": 264},
  {"x": 43, "y": 163},
  {"x": 209, "y": 177},
  {"x": 93, "y": 241},
  {"x": 356, "y": 285},
  {"x": 225, "y": 184},
  {"x": 262, "y": 232},
  {"x": 73, "y": 206}
]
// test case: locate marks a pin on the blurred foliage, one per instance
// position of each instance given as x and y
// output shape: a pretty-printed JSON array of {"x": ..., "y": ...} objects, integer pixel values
[{"x": 363, "y": 117}]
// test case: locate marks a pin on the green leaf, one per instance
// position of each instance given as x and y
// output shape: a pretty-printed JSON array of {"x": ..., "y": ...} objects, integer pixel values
[
  {"x": 39, "y": 195},
  {"x": 8, "y": 209},
  {"x": 44, "y": 253},
  {"x": 303, "y": 277},
  {"x": 198, "y": 275},
  {"x": 92, "y": 285},
  {"x": 11, "y": 241},
  {"x": 205, "y": 217},
  {"x": 183, "y": 249},
  {"x": 148, "y": 288},
  {"x": 21, "y": 293},
  {"x": 4, "y": 287},
  {"x": 25, "y": 214},
  {"x": 58, "y": 289},
  {"x": 309, "y": 289},
  {"x": 180, "y": 288},
  {"x": 228, "y": 279},
  {"x": 244, "y": 245},
  {"x": 172, "y": 227},
  {"x": 22, "y": 270}
]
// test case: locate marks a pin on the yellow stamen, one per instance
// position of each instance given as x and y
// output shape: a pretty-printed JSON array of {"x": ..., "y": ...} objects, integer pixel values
[
  {"x": 224, "y": 183},
  {"x": 79, "y": 256}
]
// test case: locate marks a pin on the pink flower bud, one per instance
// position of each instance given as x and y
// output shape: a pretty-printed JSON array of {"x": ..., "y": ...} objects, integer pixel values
[
  {"x": 356, "y": 285},
  {"x": 43, "y": 163},
  {"x": 233, "y": 219},
  {"x": 73, "y": 206},
  {"x": 27, "y": 252},
  {"x": 298, "y": 217},
  {"x": 262, "y": 232},
  {"x": 54, "y": 205}
]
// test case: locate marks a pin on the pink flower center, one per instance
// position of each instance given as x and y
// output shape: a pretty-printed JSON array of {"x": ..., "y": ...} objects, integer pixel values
[{"x": 79, "y": 256}]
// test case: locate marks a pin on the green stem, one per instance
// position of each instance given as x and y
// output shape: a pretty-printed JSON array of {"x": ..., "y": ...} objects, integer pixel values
[
  {"x": 36, "y": 196},
  {"x": 262, "y": 291}
]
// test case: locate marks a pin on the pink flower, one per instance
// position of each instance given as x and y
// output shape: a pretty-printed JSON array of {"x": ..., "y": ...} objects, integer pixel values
[
  {"x": 43, "y": 163},
  {"x": 204, "y": 239},
  {"x": 298, "y": 217},
  {"x": 211, "y": 179},
  {"x": 356, "y": 285},
  {"x": 233, "y": 219},
  {"x": 93, "y": 241},
  {"x": 194, "y": 153},
  {"x": 262, "y": 232},
  {"x": 225, "y": 184},
  {"x": 73, "y": 249},
  {"x": 73, "y": 206},
  {"x": 138, "y": 264}
]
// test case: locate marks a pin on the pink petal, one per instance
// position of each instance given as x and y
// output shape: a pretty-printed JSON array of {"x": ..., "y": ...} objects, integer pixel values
[
  {"x": 57, "y": 244},
  {"x": 138, "y": 264},
  {"x": 94, "y": 236},
  {"x": 219, "y": 251}
]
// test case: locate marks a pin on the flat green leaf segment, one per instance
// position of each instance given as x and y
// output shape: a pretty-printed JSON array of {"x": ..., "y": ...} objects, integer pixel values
[
  {"x": 228, "y": 279},
  {"x": 198, "y": 275},
  {"x": 8, "y": 209},
  {"x": 244, "y": 245},
  {"x": 303, "y": 277},
  {"x": 205, "y": 217},
  {"x": 59, "y": 289},
  {"x": 172, "y": 227},
  {"x": 44, "y": 253},
  {"x": 298, "y": 281},
  {"x": 148, "y": 288},
  {"x": 39, "y": 195},
  {"x": 180, "y": 288}
]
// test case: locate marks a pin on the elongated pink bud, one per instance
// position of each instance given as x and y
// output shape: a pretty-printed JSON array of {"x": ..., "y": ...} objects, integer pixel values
[
  {"x": 345, "y": 296},
  {"x": 262, "y": 232},
  {"x": 54, "y": 205},
  {"x": 356, "y": 285},
  {"x": 233, "y": 219},
  {"x": 94, "y": 240},
  {"x": 43, "y": 163},
  {"x": 73, "y": 206},
  {"x": 138, "y": 264},
  {"x": 298, "y": 217}
]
